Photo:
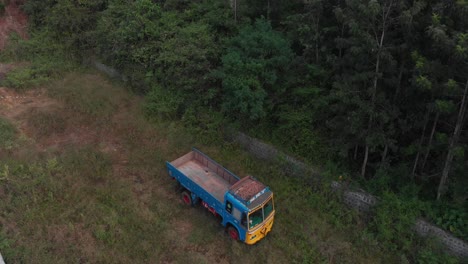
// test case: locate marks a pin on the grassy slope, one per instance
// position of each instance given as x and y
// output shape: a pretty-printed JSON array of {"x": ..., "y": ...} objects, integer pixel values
[{"x": 102, "y": 194}]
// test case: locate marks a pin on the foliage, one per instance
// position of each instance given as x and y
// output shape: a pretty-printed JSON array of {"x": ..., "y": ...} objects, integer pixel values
[
  {"x": 161, "y": 103},
  {"x": 146, "y": 37},
  {"x": 450, "y": 218},
  {"x": 430, "y": 253},
  {"x": 26, "y": 77},
  {"x": 68, "y": 21},
  {"x": 393, "y": 220},
  {"x": 252, "y": 68},
  {"x": 47, "y": 60},
  {"x": 206, "y": 124}
]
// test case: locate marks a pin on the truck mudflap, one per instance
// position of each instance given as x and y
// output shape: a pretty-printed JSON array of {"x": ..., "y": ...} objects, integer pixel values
[{"x": 253, "y": 236}]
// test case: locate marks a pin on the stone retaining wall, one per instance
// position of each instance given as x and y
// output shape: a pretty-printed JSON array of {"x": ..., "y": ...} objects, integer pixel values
[
  {"x": 109, "y": 71},
  {"x": 358, "y": 200}
]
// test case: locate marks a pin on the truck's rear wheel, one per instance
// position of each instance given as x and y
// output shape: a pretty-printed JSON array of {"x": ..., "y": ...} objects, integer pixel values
[
  {"x": 232, "y": 232},
  {"x": 186, "y": 198}
]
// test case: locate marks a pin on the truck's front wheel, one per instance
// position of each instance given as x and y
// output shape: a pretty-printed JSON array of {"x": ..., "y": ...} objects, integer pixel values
[
  {"x": 186, "y": 198},
  {"x": 232, "y": 232}
]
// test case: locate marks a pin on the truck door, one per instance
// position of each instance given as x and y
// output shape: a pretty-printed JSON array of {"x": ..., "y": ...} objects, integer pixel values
[{"x": 238, "y": 217}]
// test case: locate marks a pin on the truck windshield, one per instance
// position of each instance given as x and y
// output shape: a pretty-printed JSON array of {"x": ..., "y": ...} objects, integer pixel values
[{"x": 259, "y": 215}]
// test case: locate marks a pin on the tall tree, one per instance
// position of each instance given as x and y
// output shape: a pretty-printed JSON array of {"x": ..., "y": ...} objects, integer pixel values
[
  {"x": 453, "y": 141},
  {"x": 252, "y": 70}
]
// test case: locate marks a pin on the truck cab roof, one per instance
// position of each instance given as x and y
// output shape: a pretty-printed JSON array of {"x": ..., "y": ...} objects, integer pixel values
[{"x": 250, "y": 191}]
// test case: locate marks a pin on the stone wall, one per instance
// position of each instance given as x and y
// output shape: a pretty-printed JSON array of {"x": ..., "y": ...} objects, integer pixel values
[
  {"x": 455, "y": 245},
  {"x": 356, "y": 199},
  {"x": 109, "y": 71}
]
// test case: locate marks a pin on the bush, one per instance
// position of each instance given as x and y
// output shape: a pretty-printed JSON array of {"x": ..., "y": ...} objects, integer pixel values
[
  {"x": 26, "y": 77},
  {"x": 393, "y": 220},
  {"x": 162, "y": 103},
  {"x": 450, "y": 218},
  {"x": 47, "y": 59},
  {"x": 431, "y": 252},
  {"x": 206, "y": 124}
]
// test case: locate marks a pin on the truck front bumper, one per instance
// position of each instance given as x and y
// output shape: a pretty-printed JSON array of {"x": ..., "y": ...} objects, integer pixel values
[{"x": 253, "y": 236}]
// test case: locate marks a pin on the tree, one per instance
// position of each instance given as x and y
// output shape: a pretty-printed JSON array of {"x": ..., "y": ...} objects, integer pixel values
[
  {"x": 453, "y": 141},
  {"x": 252, "y": 70}
]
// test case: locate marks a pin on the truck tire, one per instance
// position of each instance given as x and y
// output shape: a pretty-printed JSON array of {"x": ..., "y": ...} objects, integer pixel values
[
  {"x": 232, "y": 232},
  {"x": 186, "y": 198}
]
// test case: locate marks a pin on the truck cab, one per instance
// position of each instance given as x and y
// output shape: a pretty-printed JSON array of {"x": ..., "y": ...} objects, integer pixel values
[{"x": 249, "y": 206}]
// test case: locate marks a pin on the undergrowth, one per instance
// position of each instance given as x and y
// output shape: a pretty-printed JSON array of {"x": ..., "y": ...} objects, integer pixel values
[{"x": 47, "y": 60}]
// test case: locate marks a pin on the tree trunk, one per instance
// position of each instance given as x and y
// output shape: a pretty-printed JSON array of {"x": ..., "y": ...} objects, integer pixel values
[
  {"x": 453, "y": 142},
  {"x": 317, "y": 41},
  {"x": 364, "y": 163},
  {"x": 400, "y": 78},
  {"x": 268, "y": 10},
  {"x": 429, "y": 144},
  {"x": 235, "y": 11},
  {"x": 385, "y": 14},
  {"x": 418, "y": 154},
  {"x": 384, "y": 154},
  {"x": 340, "y": 50},
  {"x": 356, "y": 148}
]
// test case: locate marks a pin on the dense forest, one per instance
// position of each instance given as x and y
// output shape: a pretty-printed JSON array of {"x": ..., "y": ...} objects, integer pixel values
[{"x": 375, "y": 89}]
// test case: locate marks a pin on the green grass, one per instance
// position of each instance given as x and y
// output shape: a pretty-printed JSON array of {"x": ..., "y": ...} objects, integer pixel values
[{"x": 88, "y": 94}]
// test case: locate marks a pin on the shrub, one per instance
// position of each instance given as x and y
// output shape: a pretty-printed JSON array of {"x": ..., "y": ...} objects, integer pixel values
[
  {"x": 450, "y": 218},
  {"x": 206, "y": 124},
  {"x": 47, "y": 59},
  {"x": 162, "y": 103},
  {"x": 393, "y": 220}
]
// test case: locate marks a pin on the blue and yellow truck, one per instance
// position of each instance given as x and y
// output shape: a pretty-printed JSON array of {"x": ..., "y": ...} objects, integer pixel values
[{"x": 245, "y": 205}]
